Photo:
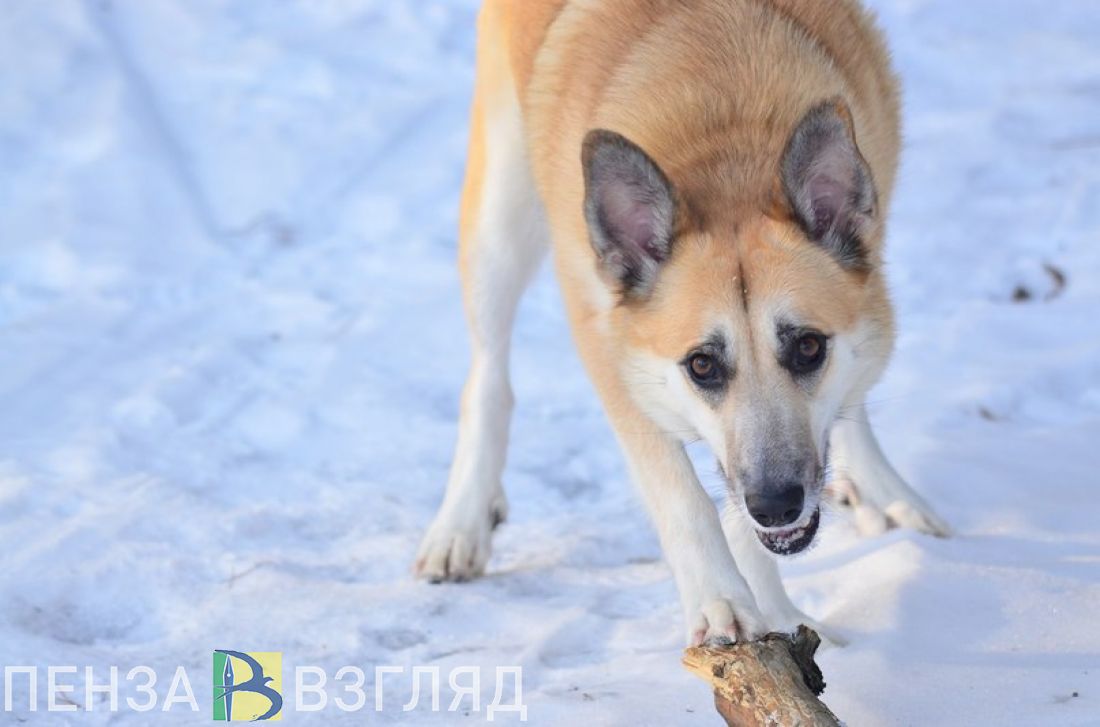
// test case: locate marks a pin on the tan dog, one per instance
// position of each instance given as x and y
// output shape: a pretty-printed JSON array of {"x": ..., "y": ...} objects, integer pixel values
[{"x": 713, "y": 176}]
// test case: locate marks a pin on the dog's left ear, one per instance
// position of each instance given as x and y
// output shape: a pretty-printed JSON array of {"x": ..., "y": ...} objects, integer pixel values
[
  {"x": 630, "y": 208},
  {"x": 828, "y": 184}
]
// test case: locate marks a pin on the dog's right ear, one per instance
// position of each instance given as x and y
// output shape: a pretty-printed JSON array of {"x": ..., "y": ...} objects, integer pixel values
[{"x": 630, "y": 208}]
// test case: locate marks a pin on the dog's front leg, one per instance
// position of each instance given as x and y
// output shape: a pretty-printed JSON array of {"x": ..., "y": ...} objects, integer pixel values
[
  {"x": 718, "y": 603},
  {"x": 762, "y": 574},
  {"x": 865, "y": 480}
]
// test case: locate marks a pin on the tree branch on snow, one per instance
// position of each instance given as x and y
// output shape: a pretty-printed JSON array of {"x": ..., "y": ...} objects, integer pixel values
[{"x": 773, "y": 681}]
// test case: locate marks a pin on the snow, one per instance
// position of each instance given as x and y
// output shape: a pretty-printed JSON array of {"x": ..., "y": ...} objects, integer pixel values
[{"x": 233, "y": 348}]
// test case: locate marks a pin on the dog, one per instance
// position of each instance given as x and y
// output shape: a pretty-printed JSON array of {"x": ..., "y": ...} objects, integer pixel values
[{"x": 713, "y": 177}]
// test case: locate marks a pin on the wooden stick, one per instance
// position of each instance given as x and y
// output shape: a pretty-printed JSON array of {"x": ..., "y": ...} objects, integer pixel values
[{"x": 773, "y": 681}]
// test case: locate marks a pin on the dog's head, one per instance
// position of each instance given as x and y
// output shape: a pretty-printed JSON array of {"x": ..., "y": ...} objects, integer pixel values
[{"x": 750, "y": 331}]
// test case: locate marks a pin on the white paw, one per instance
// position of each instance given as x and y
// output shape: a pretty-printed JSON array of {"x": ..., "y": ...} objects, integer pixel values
[
  {"x": 721, "y": 620},
  {"x": 916, "y": 514},
  {"x": 875, "y": 512},
  {"x": 457, "y": 546}
]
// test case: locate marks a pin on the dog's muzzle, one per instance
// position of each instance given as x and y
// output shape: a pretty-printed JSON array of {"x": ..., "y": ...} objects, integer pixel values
[{"x": 792, "y": 540}]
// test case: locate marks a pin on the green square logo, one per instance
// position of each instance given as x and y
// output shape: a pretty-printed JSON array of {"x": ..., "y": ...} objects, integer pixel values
[{"x": 247, "y": 685}]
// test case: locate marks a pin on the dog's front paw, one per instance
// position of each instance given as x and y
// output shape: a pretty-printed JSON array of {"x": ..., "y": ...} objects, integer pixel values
[
  {"x": 720, "y": 620},
  {"x": 457, "y": 546},
  {"x": 917, "y": 515},
  {"x": 877, "y": 510}
]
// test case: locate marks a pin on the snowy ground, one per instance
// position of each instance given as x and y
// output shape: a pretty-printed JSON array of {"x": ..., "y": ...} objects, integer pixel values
[{"x": 232, "y": 350}]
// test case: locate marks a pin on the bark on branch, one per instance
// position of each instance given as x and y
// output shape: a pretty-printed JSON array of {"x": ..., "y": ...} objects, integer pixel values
[{"x": 773, "y": 681}]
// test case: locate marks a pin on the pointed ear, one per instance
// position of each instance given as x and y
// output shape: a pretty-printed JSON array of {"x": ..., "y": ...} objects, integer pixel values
[
  {"x": 630, "y": 208},
  {"x": 828, "y": 184}
]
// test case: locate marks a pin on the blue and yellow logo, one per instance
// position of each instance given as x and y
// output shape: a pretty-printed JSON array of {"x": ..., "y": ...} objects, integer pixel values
[{"x": 247, "y": 685}]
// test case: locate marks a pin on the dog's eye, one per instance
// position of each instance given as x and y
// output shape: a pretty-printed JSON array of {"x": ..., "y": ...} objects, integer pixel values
[
  {"x": 702, "y": 366},
  {"x": 706, "y": 371},
  {"x": 808, "y": 354},
  {"x": 809, "y": 347}
]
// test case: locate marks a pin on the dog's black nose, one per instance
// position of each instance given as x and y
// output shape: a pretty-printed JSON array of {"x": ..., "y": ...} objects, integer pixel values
[{"x": 776, "y": 507}]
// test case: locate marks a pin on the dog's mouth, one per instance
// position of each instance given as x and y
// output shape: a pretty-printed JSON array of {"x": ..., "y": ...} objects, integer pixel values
[{"x": 792, "y": 540}]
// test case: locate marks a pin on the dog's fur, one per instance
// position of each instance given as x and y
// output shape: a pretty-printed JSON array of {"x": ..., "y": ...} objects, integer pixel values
[{"x": 714, "y": 177}]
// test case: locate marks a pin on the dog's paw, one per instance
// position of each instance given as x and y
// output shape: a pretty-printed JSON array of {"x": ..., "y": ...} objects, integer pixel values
[
  {"x": 917, "y": 515},
  {"x": 457, "y": 546},
  {"x": 877, "y": 510},
  {"x": 720, "y": 621}
]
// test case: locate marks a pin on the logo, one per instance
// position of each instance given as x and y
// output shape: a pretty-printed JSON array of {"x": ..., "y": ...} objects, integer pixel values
[{"x": 247, "y": 684}]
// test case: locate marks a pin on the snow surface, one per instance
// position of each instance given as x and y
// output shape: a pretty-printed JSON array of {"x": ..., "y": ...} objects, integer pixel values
[{"x": 232, "y": 351}]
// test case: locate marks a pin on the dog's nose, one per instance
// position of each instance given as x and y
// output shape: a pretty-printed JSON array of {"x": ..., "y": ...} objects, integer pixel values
[{"x": 776, "y": 507}]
